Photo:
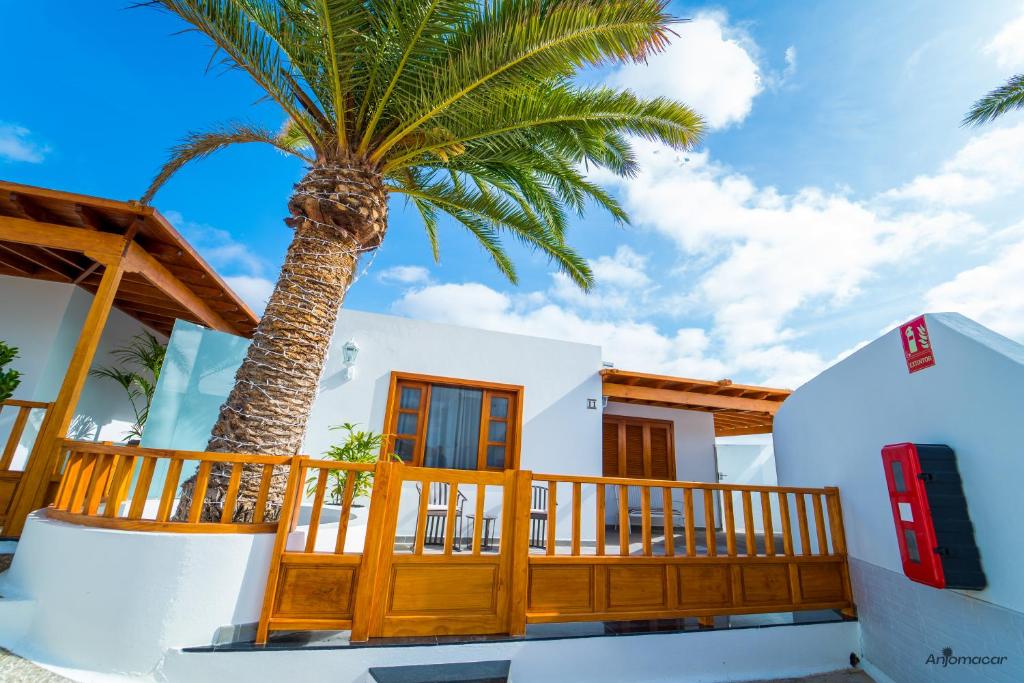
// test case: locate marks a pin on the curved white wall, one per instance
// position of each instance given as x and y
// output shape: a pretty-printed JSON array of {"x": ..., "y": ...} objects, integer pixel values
[{"x": 117, "y": 600}]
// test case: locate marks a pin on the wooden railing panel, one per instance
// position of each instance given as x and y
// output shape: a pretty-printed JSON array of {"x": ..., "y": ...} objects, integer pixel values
[
  {"x": 760, "y": 572},
  {"x": 96, "y": 483}
]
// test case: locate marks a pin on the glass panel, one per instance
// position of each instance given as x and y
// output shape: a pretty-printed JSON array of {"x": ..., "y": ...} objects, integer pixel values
[
  {"x": 897, "y": 477},
  {"x": 495, "y": 456},
  {"x": 496, "y": 431},
  {"x": 410, "y": 399},
  {"x": 453, "y": 428},
  {"x": 405, "y": 449},
  {"x": 911, "y": 540},
  {"x": 499, "y": 406},
  {"x": 407, "y": 423}
]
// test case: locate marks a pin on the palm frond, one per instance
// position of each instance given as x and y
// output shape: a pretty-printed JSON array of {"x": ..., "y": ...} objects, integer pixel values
[
  {"x": 200, "y": 145},
  {"x": 524, "y": 41},
  {"x": 1007, "y": 97}
]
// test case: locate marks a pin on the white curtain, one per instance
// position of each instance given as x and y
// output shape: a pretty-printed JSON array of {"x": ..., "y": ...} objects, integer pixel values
[{"x": 453, "y": 428}]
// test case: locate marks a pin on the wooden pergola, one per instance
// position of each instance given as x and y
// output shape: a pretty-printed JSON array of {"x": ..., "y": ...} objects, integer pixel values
[
  {"x": 737, "y": 408},
  {"x": 128, "y": 257}
]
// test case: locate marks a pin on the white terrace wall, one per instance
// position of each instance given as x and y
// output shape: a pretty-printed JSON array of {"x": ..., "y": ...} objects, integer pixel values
[
  {"x": 560, "y": 434},
  {"x": 831, "y": 431},
  {"x": 44, "y": 319}
]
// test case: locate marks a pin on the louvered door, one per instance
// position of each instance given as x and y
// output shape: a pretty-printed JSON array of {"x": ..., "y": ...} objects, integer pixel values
[{"x": 637, "y": 448}]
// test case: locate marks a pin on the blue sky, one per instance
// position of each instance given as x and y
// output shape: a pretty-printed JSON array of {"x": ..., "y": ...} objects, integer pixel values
[{"x": 834, "y": 196}]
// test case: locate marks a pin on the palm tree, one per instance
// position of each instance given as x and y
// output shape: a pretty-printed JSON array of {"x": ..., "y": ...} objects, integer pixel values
[
  {"x": 1006, "y": 97},
  {"x": 465, "y": 108}
]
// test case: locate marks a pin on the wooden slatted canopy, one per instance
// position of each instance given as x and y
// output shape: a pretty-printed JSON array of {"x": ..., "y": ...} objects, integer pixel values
[
  {"x": 737, "y": 408},
  {"x": 64, "y": 237}
]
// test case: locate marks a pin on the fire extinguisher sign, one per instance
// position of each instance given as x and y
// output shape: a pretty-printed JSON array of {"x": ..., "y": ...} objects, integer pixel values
[{"x": 917, "y": 345}]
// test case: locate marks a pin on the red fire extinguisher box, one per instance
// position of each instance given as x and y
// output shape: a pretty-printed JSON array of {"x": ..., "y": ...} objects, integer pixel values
[{"x": 933, "y": 527}]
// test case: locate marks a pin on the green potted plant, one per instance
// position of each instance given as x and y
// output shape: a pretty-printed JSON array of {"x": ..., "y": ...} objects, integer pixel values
[
  {"x": 10, "y": 378},
  {"x": 141, "y": 360},
  {"x": 358, "y": 446}
]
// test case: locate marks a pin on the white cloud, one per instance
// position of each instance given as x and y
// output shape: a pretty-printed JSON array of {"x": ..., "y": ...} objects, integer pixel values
[
  {"x": 627, "y": 343},
  {"x": 790, "y": 57},
  {"x": 405, "y": 275},
  {"x": 987, "y": 167},
  {"x": 709, "y": 66},
  {"x": 242, "y": 268},
  {"x": 16, "y": 145},
  {"x": 624, "y": 269},
  {"x": 771, "y": 254},
  {"x": 991, "y": 294},
  {"x": 254, "y": 290},
  {"x": 218, "y": 246},
  {"x": 1008, "y": 45}
]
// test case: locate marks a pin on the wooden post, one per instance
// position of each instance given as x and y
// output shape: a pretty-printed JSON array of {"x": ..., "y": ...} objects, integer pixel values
[
  {"x": 35, "y": 481},
  {"x": 292, "y": 498},
  {"x": 519, "y": 551}
]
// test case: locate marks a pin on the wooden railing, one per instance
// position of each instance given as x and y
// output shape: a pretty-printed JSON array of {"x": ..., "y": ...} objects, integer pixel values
[
  {"x": 25, "y": 409},
  {"x": 10, "y": 479},
  {"x": 465, "y": 552},
  {"x": 722, "y": 549},
  {"x": 109, "y": 486}
]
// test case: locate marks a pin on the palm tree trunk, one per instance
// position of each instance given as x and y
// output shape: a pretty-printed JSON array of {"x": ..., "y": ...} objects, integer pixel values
[{"x": 337, "y": 213}]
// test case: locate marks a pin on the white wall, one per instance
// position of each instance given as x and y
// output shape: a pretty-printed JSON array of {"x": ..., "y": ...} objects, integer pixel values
[
  {"x": 115, "y": 601},
  {"x": 749, "y": 460},
  {"x": 746, "y": 654},
  {"x": 44, "y": 319},
  {"x": 831, "y": 430}
]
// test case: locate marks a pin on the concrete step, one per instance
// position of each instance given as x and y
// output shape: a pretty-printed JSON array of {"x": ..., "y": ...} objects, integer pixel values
[
  {"x": 494, "y": 671},
  {"x": 15, "y": 618}
]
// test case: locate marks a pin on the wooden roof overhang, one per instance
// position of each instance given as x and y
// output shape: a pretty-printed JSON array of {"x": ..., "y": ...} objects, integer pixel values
[
  {"x": 64, "y": 237},
  {"x": 737, "y": 408}
]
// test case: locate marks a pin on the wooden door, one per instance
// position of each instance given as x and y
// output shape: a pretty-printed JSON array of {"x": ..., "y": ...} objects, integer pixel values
[
  {"x": 459, "y": 585},
  {"x": 638, "y": 448}
]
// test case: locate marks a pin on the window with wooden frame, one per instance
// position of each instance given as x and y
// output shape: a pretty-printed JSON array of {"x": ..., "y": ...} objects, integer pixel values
[
  {"x": 453, "y": 423},
  {"x": 638, "y": 448}
]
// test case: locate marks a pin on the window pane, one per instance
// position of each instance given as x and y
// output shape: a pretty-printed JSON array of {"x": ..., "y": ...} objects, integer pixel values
[
  {"x": 897, "y": 477},
  {"x": 406, "y": 423},
  {"x": 405, "y": 449},
  {"x": 496, "y": 431},
  {"x": 911, "y": 539},
  {"x": 495, "y": 456},
  {"x": 410, "y": 399},
  {"x": 453, "y": 428},
  {"x": 499, "y": 406}
]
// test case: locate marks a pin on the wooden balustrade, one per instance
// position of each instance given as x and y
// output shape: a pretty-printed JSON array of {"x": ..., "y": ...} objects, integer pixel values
[
  {"x": 686, "y": 549},
  {"x": 113, "y": 487},
  {"x": 539, "y": 547},
  {"x": 25, "y": 409},
  {"x": 10, "y": 477}
]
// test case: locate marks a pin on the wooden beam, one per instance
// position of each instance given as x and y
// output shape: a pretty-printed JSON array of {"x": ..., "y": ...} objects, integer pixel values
[
  {"x": 42, "y": 461},
  {"x": 741, "y": 431},
  {"x": 138, "y": 261},
  {"x": 99, "y": 246},
  {"x": 41, "y": 257},
  {"x": 688, "y": 398}
]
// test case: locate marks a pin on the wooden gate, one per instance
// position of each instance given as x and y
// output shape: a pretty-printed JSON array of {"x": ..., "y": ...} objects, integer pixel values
[
  {"x": 453, "y": 575},
  {"x": 437, "y": 557}
]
